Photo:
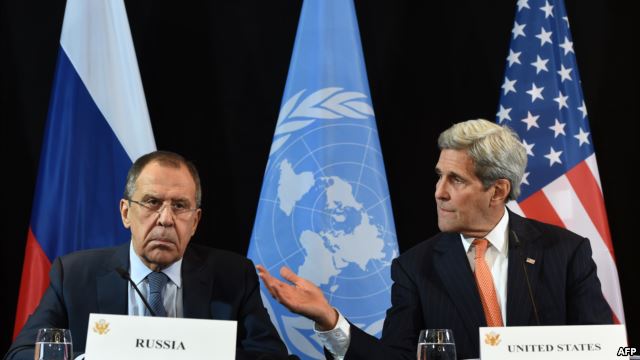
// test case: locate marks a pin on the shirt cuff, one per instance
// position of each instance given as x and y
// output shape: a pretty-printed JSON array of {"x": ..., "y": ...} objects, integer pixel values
[{"x": 337, "y": 339}]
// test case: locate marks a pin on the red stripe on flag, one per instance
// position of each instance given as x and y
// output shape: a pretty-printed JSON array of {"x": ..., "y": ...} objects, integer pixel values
[
  {"x": 588, "y": 191},
  {"x": 616, "y": 321},
  {"x": 538, "y": 207},
  {"x": 35, "y": 279}
]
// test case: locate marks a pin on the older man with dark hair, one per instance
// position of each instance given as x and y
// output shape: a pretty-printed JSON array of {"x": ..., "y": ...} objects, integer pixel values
[{"x": 161, "y": 207}]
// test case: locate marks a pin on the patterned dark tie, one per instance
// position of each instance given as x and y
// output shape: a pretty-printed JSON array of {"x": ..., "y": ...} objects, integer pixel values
[{"x": 157, "y": 283}]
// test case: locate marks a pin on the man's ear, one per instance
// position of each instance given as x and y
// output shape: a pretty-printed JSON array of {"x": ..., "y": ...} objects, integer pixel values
[
  {"x": 124, "y": 213},
  {"x": 502, "y": 188},
  {"x": 198, "y": 216}
]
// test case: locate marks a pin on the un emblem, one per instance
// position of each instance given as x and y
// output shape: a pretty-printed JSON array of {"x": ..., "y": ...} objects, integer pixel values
[{"x": 324, "y": 211}]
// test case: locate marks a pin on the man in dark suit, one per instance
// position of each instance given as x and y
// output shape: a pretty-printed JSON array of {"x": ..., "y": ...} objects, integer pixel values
[
  {"x": 472, "y": 274},
  {"x": 161, "y": 207}
]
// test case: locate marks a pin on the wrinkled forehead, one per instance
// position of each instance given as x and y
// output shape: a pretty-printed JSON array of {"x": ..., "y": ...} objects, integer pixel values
[
  {"x": 166, "y": 181},
  {"x": 455, "y": 161}
]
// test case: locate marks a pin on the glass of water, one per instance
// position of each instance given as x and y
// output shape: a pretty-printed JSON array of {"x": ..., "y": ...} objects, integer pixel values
[
  {"x": 54, "y": 344},
  {"x": 436, "y": 344}
]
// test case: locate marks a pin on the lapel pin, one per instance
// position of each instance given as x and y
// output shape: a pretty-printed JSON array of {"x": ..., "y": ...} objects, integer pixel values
[{"x": 531, "y": 261}]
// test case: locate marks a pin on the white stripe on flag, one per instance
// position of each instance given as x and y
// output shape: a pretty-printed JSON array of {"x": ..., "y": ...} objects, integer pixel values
[
  {"x": 97, "y": 40},
  {"x": 513, "y": 206},
  {"x": 593, "y": 166},
  {"x": 568, "y": 206}
]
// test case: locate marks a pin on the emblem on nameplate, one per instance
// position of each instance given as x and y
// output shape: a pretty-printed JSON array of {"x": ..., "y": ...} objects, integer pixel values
[
  {"x": 492, "y": 339},
  {"x": 101, "y": 327}
]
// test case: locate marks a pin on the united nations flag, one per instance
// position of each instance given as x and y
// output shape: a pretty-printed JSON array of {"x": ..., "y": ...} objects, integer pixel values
[{"x": 324, "y": 209}]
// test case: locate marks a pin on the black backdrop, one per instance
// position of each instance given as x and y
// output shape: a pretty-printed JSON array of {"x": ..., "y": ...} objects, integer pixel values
[{"x": 214, "y": 72}]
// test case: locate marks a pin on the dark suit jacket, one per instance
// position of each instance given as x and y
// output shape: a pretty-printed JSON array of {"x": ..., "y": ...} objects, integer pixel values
[
  {"x": 216, "y": 285},
  {"x": 434, "y": 287}
]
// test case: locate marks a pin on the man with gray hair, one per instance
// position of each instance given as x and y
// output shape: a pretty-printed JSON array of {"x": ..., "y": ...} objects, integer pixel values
[{"x": 473, "y": 273}]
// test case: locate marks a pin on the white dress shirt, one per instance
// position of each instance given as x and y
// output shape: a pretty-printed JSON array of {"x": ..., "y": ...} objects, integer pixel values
[
  {"x": 171, "y": 295},
  {"x": 497, "y": 258},
  {"x": 337, "y": 339}
]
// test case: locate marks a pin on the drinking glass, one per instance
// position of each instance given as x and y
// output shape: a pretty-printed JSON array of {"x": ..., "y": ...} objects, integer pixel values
[
  {"x": 53, "y": 344},
  {"x": 436, "y": 344}
]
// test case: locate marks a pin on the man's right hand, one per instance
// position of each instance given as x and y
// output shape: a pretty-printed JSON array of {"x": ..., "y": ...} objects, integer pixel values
[{"x": 301, "y": 297}]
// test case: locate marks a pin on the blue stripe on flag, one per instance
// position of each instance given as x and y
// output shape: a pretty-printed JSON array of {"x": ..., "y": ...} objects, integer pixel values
[{"x": 82, "y": 172}]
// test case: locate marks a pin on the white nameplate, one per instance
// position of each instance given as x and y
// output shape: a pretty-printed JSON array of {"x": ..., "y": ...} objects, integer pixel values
[
  {"x": 158, "y": 338},
  {"x": 598, "y": 342}
]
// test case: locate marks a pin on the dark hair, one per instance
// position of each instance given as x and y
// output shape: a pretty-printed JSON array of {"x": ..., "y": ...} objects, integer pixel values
[{"x": 164, "y": 158}]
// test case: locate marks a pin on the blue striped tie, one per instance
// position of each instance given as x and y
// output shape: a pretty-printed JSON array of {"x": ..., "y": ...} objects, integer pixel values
[{"x": 157, "y": 283}]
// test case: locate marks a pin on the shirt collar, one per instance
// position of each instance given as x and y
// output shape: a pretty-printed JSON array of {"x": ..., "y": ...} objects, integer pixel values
[
  {"x": 139, "y": 270},
  {"x": 497, "y": 236}
]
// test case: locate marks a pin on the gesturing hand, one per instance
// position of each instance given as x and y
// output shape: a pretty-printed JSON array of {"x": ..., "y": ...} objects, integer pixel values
[{"x": 300, "y": 296}]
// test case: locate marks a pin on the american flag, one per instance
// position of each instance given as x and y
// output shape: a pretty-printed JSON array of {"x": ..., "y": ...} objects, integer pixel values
[{"x": 542, "y": 101}]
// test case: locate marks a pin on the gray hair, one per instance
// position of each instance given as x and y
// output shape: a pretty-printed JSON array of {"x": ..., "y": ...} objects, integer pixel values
[
  {"x": 496, "y": 151},
  {"x": 164, "y": 158}
]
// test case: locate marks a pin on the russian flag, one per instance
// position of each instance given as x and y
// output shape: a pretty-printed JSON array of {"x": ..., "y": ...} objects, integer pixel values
[{"x": 97, "y": 125}]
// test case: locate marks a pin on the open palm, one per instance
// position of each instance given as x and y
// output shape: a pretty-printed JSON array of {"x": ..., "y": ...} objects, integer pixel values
[{"x": 300, "y": 296}]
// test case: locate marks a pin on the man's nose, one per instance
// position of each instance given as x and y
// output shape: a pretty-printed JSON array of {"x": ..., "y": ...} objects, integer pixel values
[
  {"x": 441, "y": 191},
  {"x": 166, "y": 217}
]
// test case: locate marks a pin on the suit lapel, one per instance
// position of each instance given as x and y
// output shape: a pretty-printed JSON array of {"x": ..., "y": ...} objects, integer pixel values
[
  {"x": 519, "y": 307},
  {"x": 111, "y": 288},
  {"x": 452, "y": 265},
  {"x": 197, "y": 286}
]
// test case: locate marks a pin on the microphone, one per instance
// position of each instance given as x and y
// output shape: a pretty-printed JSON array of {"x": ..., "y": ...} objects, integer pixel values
[
  {"x": 526, "y": 276},
  {"x": 125, "y": 275}
]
